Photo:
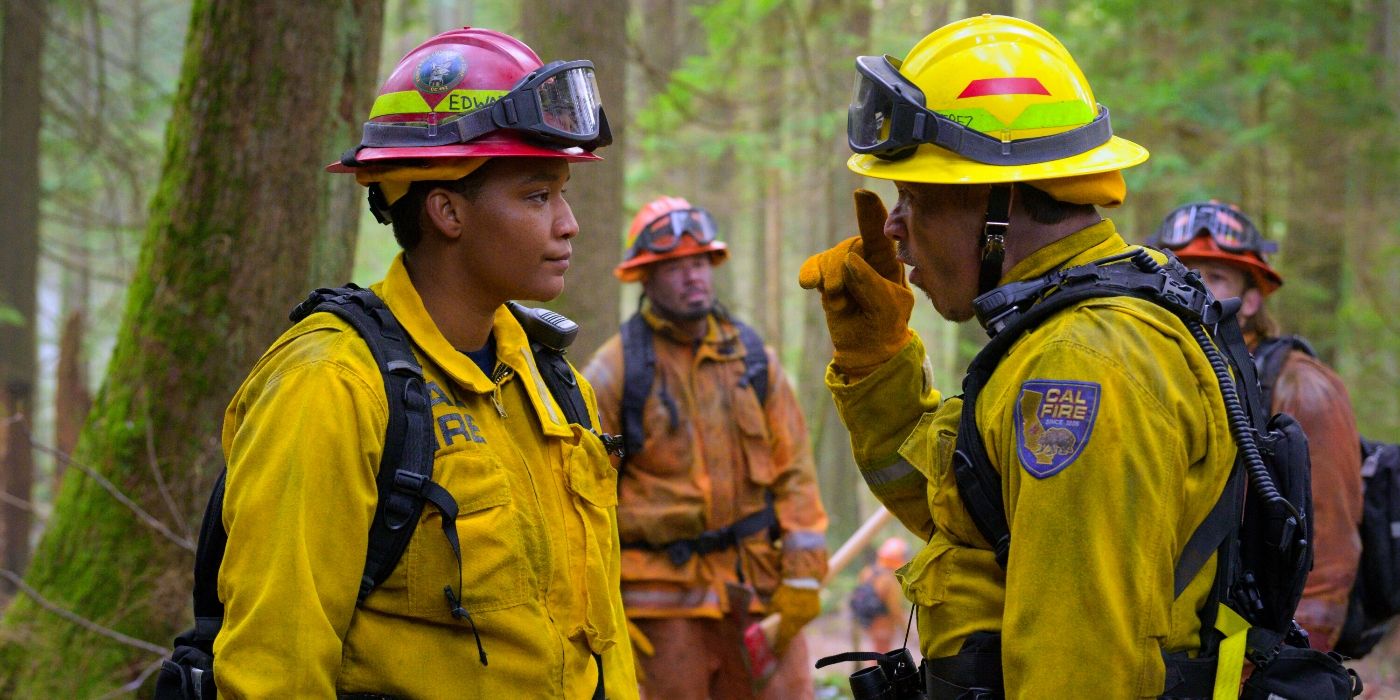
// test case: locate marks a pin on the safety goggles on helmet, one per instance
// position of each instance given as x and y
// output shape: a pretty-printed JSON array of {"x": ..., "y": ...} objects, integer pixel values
[
  {"x": 887, "y": 119},
  {"x": 663, "y": 234},
  {"x": 1231, "y": 230},
  {"x": 557, "y": 103}
]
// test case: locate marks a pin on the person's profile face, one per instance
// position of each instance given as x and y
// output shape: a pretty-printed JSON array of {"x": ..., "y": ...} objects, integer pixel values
[
  {"x": 520, "y": 229},
  {"x": 935, "y": 229}
]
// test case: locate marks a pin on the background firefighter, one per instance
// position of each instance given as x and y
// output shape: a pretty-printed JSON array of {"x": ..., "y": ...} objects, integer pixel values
[
  {"x": 1232, "y": 257},
  {"x": 717, "y": 497}
]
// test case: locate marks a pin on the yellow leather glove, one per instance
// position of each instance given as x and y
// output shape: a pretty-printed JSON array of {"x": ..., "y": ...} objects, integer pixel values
[
  {"x": 864, "y": 293},
  {"x": 796, "y": 606},
  {"x": 641, "y": 646}
]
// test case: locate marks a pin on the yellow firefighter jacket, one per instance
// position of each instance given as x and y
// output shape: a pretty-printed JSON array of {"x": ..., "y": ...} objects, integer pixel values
[
  {"x": 1098, "y": 512},
  {"x": 537, "y": 522},
  {"x": 711, "y": 453}
]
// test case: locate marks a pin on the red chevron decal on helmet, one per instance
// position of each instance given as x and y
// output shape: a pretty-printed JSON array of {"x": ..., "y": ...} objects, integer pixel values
[{"x": 984, "y": 87}]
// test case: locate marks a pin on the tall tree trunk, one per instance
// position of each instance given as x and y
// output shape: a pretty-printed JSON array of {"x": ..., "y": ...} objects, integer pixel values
[
  {"x": 228, "y": 249},
  {"x": 72, "y": 399},
  {"x": 20, "y": 100},
  {"x": 597, "y": 31}
]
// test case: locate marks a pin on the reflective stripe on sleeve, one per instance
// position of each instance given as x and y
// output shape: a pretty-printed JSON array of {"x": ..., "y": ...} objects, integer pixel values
[
  {"x": 667, "y": 599},
  {"x": 794, "y": 541},
  {"x": 877, "y": 478}
]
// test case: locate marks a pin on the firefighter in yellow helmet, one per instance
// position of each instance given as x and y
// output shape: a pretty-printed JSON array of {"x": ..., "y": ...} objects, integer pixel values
[
  {"x": 508, "y": 585},
  {"x": 718, "y": 509},
  {"x": 1104, "y": 429}
]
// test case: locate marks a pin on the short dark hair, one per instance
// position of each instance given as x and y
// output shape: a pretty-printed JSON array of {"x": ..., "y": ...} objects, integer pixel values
[
  {"x": 407, "y": 212},
  {"x": 1045, "y": 209}
]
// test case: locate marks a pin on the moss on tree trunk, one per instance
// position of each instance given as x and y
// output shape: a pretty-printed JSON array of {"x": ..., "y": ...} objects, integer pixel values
[{"x": 268, "y": 89}]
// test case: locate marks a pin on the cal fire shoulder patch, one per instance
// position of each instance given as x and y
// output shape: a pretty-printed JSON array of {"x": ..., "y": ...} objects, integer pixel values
[{"x": 1053, "y": 423}]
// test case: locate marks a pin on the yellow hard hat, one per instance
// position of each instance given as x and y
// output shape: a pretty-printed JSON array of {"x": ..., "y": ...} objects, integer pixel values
[{"x": 989, "y": 99}]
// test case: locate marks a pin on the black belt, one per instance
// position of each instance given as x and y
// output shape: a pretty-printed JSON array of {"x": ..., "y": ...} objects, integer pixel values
[
  {"x": 680, "y": 551},
  {"x": 977, "y": 676},
  {"x": 970, "y": 675}
]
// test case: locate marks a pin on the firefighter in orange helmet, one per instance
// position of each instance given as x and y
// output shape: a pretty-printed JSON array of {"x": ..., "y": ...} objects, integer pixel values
[
  {"x": 508, "y": 586},
  {"x": 717, "y": 502},
  {"x": 1233, "y": 258}
]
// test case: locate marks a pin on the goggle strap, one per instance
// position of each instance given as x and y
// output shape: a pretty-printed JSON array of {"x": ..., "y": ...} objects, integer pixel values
[
  {"x": 993, "y": 243},
  {"x": 975, "y": 145},
  {"x": 461, "y": 130}
]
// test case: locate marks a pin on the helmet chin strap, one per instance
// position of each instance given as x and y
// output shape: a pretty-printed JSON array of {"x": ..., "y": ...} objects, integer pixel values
[{"x": 993, "y": 242}]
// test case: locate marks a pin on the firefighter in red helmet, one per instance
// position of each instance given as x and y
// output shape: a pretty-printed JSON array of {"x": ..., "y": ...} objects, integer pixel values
[{"x": 466, "y": 154}]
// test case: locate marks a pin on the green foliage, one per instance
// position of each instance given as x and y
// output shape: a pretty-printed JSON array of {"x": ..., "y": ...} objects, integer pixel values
[{"x": 10, "y": 317}]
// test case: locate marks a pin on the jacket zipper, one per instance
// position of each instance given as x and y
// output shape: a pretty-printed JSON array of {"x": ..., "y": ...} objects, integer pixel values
[{"x": 498, "y": 377}]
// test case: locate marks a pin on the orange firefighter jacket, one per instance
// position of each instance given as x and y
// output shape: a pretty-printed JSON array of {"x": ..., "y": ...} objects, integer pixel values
[
  {"x": 711, "y": 453},
  {"x": 1313, "y": 394},
  {"x": 1084, "y": 606}
]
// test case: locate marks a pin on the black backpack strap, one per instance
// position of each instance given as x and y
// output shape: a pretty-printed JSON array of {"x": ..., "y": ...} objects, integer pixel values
[
  {"x": 1012, "y": 310},
  {"x": 638, "y": 371},
  {"x": 404, "y": 481},
  {"x": 406, "y": 465},
  {"x": 551, "y": 334},
  {"x": 208, "y": 609},
  {"x": 1269, "y": 356},
  {"x": 755, "y": 360}
]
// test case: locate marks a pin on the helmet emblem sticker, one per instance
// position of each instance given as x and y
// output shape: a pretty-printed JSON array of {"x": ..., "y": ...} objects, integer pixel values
[
  {"x": 439, "y": 72},
  {"x": 1053, "y": 422},
  {"x": 985, "y": 87}
]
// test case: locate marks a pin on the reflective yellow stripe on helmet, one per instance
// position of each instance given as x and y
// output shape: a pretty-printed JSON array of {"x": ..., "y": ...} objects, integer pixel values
[{"x": 412, "y": 102}]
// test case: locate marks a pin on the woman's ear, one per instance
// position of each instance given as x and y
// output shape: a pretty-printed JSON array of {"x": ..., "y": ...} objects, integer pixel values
[{"x": 444, "y": 210}]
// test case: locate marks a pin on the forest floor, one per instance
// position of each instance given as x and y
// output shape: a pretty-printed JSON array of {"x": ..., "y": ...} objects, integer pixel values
[{"x": 832, "y": 634}]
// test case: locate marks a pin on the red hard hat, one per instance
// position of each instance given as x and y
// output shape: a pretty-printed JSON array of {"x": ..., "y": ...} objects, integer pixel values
[
  {"x": 630, "y": 269},
  {"x": 445, "y": 77}
]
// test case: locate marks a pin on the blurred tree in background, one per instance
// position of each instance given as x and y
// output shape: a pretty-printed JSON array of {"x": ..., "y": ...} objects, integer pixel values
[{"x": 240, "y": 224}]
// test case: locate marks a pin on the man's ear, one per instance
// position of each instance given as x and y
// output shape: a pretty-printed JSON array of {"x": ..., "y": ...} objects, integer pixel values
[
  {"x": 1250, "y": 302},
  {"x": 444, "y": 211}
]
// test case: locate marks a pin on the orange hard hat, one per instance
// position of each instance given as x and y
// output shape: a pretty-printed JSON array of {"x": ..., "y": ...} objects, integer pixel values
[
  {"x": 893, "y": 553},
  {"x": 666, "y": 228},
  {"x": 1219, "y": 232}
]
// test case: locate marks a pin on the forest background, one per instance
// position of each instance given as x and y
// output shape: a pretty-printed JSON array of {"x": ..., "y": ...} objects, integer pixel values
[{"x": 164, "y": 206}]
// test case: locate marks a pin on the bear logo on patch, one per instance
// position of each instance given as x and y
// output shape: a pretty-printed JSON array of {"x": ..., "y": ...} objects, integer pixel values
[
  {"x": 1053, "y": 422},
  {"x": 439, "y": 72}
]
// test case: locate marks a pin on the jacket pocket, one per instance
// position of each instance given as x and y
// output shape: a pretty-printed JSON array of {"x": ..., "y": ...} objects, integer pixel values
[
  {"x": 493, "y": 571},
  {"x": 925, "y": 578},
  {"x": 754, "y": 436},
  {"x": 592, "y": 484}
]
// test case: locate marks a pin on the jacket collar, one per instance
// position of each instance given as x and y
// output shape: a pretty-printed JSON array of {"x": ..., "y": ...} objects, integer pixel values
[
  {"x": 720, "y": 342},
  {"x": 1083, "y": 246},
  {"x": 512, "y": 347}
]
